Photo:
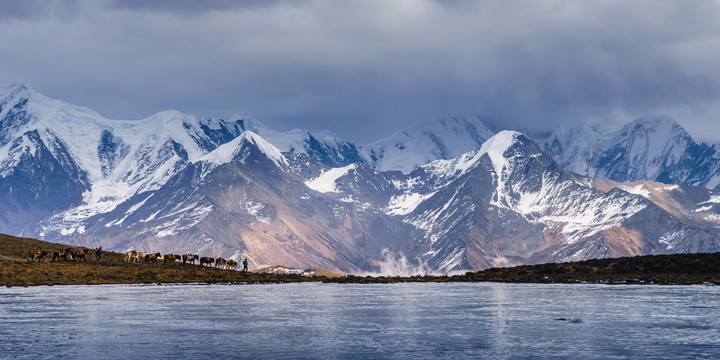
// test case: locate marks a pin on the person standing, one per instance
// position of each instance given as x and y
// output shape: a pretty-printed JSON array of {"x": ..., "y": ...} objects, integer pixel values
[
  {"x": 245, "y": 265},
  {"x": 98, "y": 253}
]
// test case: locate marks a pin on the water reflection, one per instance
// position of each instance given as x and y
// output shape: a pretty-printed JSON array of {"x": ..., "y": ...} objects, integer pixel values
[{"x": 316, "y": 320}]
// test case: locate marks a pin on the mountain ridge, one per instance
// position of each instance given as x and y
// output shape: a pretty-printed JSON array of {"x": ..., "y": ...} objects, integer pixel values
[{"x": 183, "y": 183}]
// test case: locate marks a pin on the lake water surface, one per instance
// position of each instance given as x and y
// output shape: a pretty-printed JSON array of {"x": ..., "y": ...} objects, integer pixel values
[{"x": 314, "y": 320}]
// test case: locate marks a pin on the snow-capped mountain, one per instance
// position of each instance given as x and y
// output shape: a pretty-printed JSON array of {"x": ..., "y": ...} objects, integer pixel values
[
  {"x": 72, "y": 162},
  {"x": 508, "y": 203},
  {"x": 405, "y": 150},
  {"x": 462, "y": 199},
  {"x": 244, "y": 200},
  {"x": 408, "y": 149},
  {"x": 647, "y": 149},
  {"x": 325, "y": 147}
]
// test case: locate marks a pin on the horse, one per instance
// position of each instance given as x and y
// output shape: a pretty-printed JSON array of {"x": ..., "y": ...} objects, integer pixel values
[
  {"x": 134, "y": 255},
  {"x": 69, "y": 254},
  {"x": 62, "y": 254},
  {"x": 206, "y": 260},
  {"x": 151, "y": 256},
  {"x": 231, "y": 264},
  {"x": 170, "y": 258},
  {"x": 220, "y": 262},
  {"x": 190, "y": 258},
  {"x": 37, "y": 255},
  {"x": 80, "y": 254}
]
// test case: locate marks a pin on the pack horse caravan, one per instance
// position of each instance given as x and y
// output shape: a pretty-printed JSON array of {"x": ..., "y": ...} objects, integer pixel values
[
  {"x": 154, "y": 258},
  {"x": 69, "y": 254},
  {"x": 134, "y": 257}
]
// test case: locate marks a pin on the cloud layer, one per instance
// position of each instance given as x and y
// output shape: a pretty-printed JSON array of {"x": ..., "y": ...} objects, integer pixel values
[{"x": 366, "y": 68}]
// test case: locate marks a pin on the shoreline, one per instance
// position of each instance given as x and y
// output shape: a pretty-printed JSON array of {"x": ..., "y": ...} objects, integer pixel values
[
  {"x": 675, "y": 269},
  {"x": 16, "y": 273}
]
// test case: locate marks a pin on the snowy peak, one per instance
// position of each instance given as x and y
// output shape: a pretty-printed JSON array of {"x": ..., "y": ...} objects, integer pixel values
[
  {"x": 409, "y": 149},
  {"x": 657, "y": 149},
  {"x": 15, "y": 91},
  {"x": 656, "y": 141},
  {"x": 658, "y": 125},
  {"x": 229, "y": 151},
  {"x": 496, "y": 148},
  {"x": 325, "y": 147},
  {"x": 268, "y": 149}
]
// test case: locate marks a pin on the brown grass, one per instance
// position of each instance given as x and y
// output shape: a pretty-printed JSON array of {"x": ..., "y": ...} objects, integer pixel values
[{"x": 15, "y": 270}]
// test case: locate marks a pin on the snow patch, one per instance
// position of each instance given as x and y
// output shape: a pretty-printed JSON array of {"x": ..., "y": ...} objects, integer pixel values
[
  {"x": 255, "y": 209},
  {"x": 667, "y": 188},
  {"x": 639, "y": 189},
  {"x": 714, "y": 199},
  {"x": 325, "y": 183},
  {"x": 405, "y": 203},
  {"x": 672, "y": 239}
]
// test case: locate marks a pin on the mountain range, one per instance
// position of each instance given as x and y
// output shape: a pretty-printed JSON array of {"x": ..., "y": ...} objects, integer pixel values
[{"x": 448, "y": 195}]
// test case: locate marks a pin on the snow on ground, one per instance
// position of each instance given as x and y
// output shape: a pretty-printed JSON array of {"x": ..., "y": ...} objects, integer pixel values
[
  {"x": 714, "y": 199},
  {"x": 325, "y": 183},
  {"x": 667, "y": 188},
  {"x": 638, "y": 189},
  {"x": 405, "y": 203}
]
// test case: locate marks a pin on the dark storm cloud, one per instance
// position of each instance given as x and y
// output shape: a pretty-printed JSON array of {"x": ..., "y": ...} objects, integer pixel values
[{"x": 366, "y": 68}]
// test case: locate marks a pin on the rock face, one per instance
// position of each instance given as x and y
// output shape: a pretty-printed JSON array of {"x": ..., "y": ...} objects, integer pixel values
[{"x": 464, "y": 198}]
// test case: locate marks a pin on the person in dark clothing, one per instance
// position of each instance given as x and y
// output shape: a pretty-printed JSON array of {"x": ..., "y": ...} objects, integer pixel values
[
  {"x": 98, "y": 253},
  {"x": 245, "y": 265}
]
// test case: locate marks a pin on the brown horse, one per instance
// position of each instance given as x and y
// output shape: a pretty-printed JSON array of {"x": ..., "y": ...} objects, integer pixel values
[
  {"x": 62, "y": 255},
  {"x": 190, "y": 258},
  {"x": 206, "y": 260},
  {"x": 220, "y": 263},
  {"x": 151, "y": 257},
  {"x": 231, "y": 264}
]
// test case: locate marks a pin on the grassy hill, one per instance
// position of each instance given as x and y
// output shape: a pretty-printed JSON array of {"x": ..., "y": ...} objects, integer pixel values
[{"x": 15, "y": 270}]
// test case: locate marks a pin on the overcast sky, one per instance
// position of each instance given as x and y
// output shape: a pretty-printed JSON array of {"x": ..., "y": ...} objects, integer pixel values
[{"x": 364, "y": 69}]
